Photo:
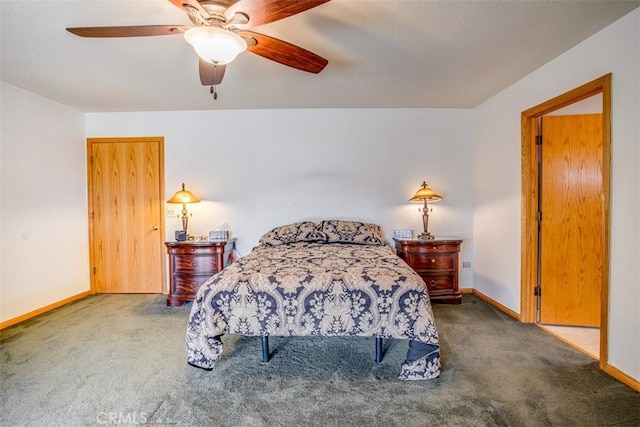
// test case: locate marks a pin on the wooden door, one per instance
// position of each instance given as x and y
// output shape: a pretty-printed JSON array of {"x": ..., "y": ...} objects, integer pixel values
[
  {"x": 571, "y": 227},
  {"x": 125, "y": 214}
]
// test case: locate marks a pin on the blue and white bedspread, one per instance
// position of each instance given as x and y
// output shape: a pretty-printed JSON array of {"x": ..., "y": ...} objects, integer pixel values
[{"x": 324, "y": 289}]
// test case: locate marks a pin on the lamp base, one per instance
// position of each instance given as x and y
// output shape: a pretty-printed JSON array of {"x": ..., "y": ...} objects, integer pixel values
[{"x": 426, "y": 236}]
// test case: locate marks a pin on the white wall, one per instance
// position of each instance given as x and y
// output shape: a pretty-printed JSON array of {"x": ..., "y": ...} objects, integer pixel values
[
  {"x": 43, "y": 206},
  {"x": 253, "y": 169},
  {"x": 497, "y": 193},
  {"x": 259, "y": 169}
]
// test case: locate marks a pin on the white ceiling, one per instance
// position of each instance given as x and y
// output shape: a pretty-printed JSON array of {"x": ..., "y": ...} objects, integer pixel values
[{"x": 382, "y": 53}]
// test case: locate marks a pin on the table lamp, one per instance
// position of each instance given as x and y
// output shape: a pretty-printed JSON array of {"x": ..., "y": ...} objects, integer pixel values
[
  {"x": 425, "y": 194},
  {"x": 183, "y": 196}
]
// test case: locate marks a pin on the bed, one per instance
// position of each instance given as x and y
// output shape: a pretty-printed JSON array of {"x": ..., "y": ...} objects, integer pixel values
[{"x": 333, "y": 278}]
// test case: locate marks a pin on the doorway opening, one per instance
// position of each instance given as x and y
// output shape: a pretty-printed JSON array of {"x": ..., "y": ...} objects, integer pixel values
[
  {"x": 585, "y": 339},
  {"x": 532, "y": 250}
]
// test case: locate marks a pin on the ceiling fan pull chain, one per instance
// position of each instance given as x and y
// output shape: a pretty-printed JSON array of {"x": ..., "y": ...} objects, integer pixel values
[{"x": 213, "y": 91}]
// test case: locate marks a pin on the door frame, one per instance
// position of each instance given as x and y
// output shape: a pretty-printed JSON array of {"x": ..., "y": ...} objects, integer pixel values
[
  {"x": 90, "y": 141},
  {"x": 529, "y": 225}
]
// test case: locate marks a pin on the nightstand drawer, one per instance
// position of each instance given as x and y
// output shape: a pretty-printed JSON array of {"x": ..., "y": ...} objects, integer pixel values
[
  {"x": 195, "y": 249},
  {"x": 194, "y": 264},
  {"x": 432, "y": 248},
  {"x": 433, "y": 261},
  {"x": 437, "y": 283},
  {"x": 188, "y": 285}
]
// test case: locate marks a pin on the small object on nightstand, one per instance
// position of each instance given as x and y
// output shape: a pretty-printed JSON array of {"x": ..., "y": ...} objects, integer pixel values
[
  {"x": 403, "y": 234},
  {"x": 191, "y": 263},
  {"x": 436, "y": 261},
  {"x": 219, "y": 235}
]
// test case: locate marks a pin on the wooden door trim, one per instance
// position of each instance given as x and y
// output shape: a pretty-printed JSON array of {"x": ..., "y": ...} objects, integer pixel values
[
  {"x": 529, "y": 256},
  {"x": 90, "y": 142}
]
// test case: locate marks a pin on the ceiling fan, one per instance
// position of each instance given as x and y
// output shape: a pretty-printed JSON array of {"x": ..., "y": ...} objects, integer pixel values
[{"x": 222, "y": 31}]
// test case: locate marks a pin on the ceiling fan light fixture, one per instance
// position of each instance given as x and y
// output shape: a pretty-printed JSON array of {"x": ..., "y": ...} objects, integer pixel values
[{"x": 215, "y": 45}]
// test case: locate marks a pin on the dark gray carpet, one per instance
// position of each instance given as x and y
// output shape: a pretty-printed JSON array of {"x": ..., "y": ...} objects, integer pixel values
[{"x": 120, "y": 359}]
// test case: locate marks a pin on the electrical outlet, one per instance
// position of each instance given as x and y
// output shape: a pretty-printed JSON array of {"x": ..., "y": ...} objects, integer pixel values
[
  {"x": 466, "y": 264},
  {"x": 171, "y": 213}
]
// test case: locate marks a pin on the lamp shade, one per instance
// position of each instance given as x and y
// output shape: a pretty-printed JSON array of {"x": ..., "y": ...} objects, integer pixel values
[
  {"x": 183, "y": 196},
  {"x": 425, "y": 193},
  {"x": 215, "y": 45}
]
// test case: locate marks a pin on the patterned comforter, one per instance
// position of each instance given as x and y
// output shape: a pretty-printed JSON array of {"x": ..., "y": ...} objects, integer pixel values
[{"x": 317, "y": 289}]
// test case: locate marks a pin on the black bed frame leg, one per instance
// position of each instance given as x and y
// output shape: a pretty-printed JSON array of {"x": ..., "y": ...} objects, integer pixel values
[
  {"x": 378, "y": 349},
  {"x": 265, "y": 349}
]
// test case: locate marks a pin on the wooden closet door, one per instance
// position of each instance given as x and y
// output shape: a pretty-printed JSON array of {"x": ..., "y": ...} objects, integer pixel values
[
  {"x": 125, "y": 214},
  {"x": 572, "y": 220}
]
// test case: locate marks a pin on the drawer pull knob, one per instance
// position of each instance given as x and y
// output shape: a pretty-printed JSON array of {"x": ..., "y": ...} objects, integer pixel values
[
  {"x": 433, "y": 283},
  {"x": 433, "y": 261}
]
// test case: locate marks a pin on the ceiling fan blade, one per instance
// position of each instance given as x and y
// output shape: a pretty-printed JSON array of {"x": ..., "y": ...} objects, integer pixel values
[
  {"x": 265, "y": 11},
  {"x": 211, "y": 75},
  {"x": 133, "y": 31},
  {"x": 284, "y": 53},
  {"x": 183, "y": 4}
]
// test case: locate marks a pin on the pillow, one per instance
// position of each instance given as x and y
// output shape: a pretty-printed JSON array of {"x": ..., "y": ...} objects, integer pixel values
[
  {"x": 362, "y": 233},
  {"x": 305, "y": 231}
]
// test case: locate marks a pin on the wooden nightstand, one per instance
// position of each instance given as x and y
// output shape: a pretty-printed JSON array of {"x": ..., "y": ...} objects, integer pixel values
[
  {"x": 191, "y": 264},
  {"x": 436, "y": 261}
]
